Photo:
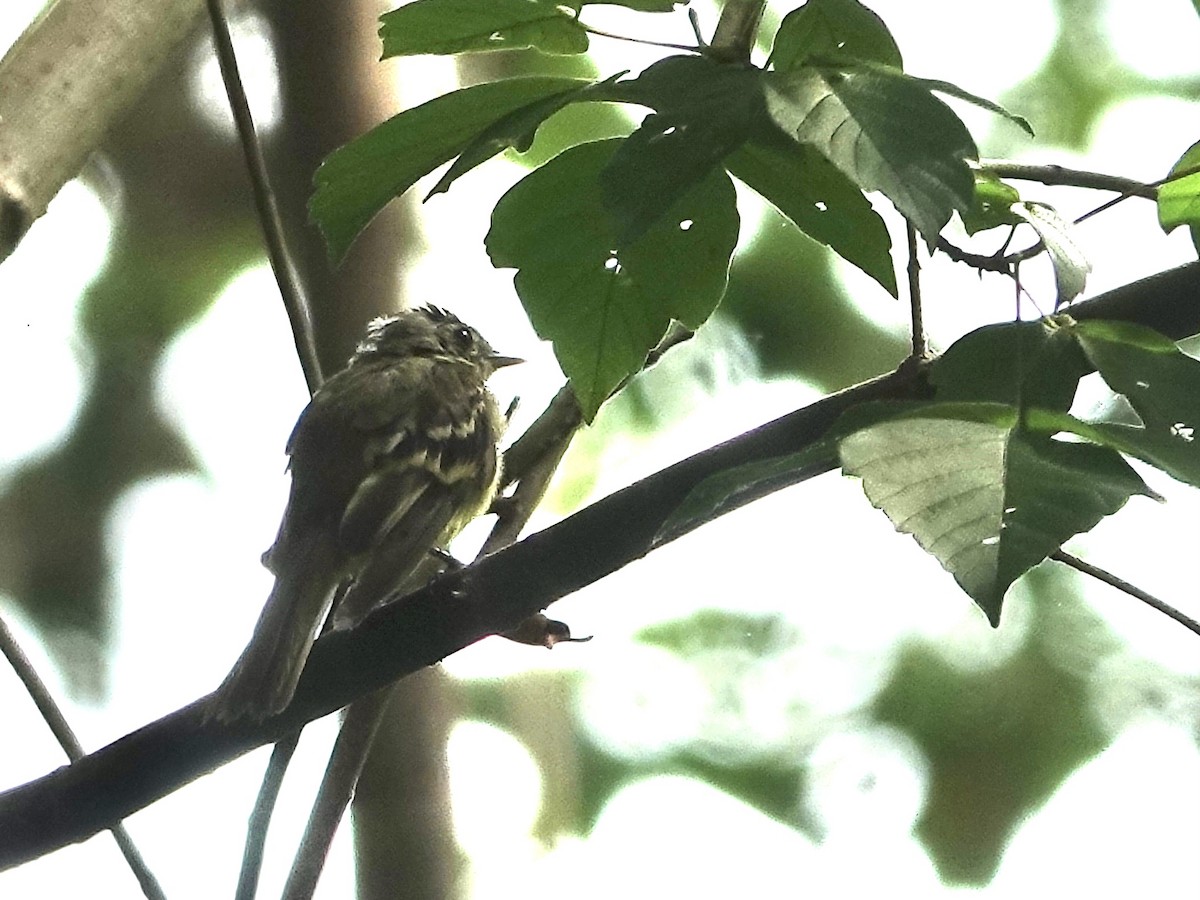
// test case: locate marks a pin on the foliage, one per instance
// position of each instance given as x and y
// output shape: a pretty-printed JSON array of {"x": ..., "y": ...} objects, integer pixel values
[
  {"x": 812, "y": 133},
  {"x": 613, "y": 240}
]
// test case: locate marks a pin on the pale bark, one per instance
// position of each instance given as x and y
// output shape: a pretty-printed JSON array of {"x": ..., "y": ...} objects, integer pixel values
[{"x": 65, "y": 82}]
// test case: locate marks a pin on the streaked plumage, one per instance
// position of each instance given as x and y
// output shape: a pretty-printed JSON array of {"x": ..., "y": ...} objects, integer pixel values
[{"x": 392, "y": 456}]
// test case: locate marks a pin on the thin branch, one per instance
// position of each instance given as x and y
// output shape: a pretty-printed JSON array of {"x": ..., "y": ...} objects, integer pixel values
[
  {"x": 337, "y": 788},
  {"x": 1064, "y": 177},
  {"x": 984, "y": 262},
  {"x": 53, "y": 716},
  {"x": 260, "y": 816},
  {"x": 1131, "y": 589},
  {"x": 264, "y": 200},
  {"x": 306, "y": 351},
  {"x": 562, "y": 416},
  {"x": 557, "y": 422},
  {"x": 73, "y": 803},
  {"x": 920, "y": 346},
  {"x": 515, "y": 511}
]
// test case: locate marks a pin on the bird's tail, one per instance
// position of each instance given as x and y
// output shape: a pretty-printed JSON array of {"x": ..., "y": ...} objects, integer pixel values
[{"x": 264, "y": 678}]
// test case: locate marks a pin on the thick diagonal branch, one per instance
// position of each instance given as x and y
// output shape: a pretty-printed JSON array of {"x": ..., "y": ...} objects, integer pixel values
[{"x": 77, "y": 801}]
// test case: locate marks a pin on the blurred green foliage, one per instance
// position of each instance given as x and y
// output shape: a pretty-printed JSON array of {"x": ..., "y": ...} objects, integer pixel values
[{"x": 998, "y": 741}]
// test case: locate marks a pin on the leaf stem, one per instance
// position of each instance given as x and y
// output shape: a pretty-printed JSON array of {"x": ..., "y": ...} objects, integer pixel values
[
  {"x": 633, "y": 40},
  {"x": 1132, "y": 590}
]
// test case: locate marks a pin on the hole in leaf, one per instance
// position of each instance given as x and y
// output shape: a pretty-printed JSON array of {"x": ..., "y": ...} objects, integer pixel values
[
  {"x": 1142, "y": 384},
  {"x": 989, "y": 541},
  {"x": 1183, "y": 430},
  {"x": 822, "y": 205},
  {"x": 686, "y": 225}
]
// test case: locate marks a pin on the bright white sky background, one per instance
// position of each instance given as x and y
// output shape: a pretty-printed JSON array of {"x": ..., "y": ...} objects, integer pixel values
[{"x": 1125, "y": 824}]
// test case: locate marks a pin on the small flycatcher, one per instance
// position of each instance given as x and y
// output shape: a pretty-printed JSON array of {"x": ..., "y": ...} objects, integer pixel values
[{"x": 391, "y": 458}]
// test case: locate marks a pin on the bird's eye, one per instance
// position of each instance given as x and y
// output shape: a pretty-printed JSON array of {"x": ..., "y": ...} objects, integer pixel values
[{"x": 462, "y": 336}]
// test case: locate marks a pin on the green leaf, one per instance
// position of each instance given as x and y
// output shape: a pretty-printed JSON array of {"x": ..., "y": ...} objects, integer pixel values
[
  {"x": 356, "y": 181},
  {"x": 886, "y": 132},
  {"x": 1071, "y": 267},
  {"x": 832, "y": 30},
  {"x": 988, "y": 499},
  {"x": 820, "y": 201},
  {"x": 704, "y": 110},
  {"x": 517, "y": 130},
  {"x": 1020, "y": 364},
  {"x": 458, "y": 26},
  {"x": 1179, "y": 199},
  {"x": 1161, "y": 383},
  {"x": 991, "y": 205},
  {"x": 1171, "y": 452},
  {"x": 604, "y": 304},
  {"x": 953, "y": 90},
  {"x": 737, "y": 486}
]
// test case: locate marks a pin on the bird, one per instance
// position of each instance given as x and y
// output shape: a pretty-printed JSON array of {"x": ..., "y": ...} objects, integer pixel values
[{"x": 393, "y": 455}]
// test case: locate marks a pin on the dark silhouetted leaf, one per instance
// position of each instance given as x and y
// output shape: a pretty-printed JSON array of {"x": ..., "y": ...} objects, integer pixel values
[
  {"x": 820, "y": 201},
  {"x": 703, "y": 111},
  {"x": 886, "y": 132},
  {"x": 356, "y": 181},
  {"x": 1017, "y": 363},
  {"x": 603, "y": 304},
  {"x": 517, "y": 130}
]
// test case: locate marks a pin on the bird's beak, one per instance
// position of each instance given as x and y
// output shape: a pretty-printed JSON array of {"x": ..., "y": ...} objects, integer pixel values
[{"x": 499, "y": 362}]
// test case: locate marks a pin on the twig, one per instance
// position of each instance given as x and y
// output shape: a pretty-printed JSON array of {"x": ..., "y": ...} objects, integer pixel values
[
  {"x": 337, "y": 787},
  {"x": 1063, "y": 177},
  {"x": 264, "y": 199},
  {"x": 563, "y": 415},
  {"x": 920, "y": 346},
  {"x": 1055, "y": 176},
  {"x": 65, "y": 735},
  {"x": 1132, "y": 590},
  {"x": 514, "y": 512},
  {"x": 260, "y": 816},
  {"x": 302, "y": 334}
]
